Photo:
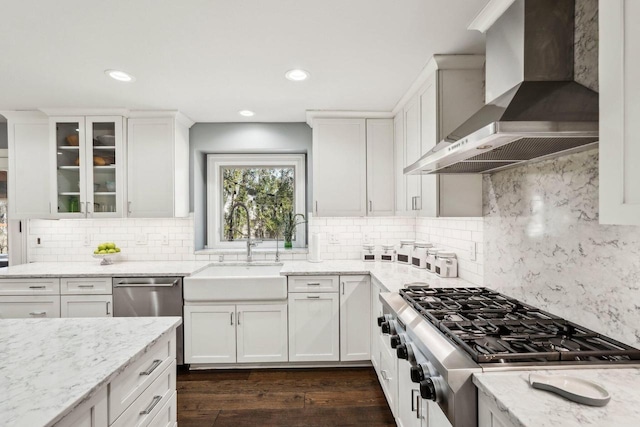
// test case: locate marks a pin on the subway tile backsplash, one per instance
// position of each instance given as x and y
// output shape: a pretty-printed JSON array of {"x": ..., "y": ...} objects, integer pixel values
[{"x": 340, "y": 238}]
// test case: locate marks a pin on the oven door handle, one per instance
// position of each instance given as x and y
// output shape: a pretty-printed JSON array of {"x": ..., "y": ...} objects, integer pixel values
[{"x": 126, "y": 284}]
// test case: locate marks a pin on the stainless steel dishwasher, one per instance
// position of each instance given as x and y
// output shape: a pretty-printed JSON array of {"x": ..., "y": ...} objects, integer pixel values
[{"x": 150, "y": 297}]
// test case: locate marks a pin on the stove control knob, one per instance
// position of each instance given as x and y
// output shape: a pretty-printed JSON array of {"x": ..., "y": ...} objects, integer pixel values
[
  {"x": 402, "y": 352},
  {"x": 428, "y": 389},
  {"x": 383, "y": 319},
  {"x": 395, "y": 341},
  {"x": 386, "y": 328},
  {"x": 417, "y": 374}
]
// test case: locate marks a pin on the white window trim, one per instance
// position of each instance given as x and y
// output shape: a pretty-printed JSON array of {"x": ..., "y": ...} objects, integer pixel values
[{"x": 214, "y": 195}]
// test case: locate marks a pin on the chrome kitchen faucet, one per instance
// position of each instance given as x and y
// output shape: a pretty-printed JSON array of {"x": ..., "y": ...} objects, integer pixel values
[{"x": 250, "y": 244}]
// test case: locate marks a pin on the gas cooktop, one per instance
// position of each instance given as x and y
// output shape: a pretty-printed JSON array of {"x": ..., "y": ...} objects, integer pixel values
[{"x": 495, "y": 328}]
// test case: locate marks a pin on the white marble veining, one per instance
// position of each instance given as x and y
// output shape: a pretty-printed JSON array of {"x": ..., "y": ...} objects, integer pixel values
[
  {"x": 127, "y": 268},
  {"x": 392, "y": 276},
  {"x": 544, "y": 245},
  {"x": 525, "y": 406},
  {"x": 49, "y": 366}
]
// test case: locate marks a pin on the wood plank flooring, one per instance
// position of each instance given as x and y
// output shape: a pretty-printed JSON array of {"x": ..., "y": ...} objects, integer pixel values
[{"x": 282, "y": 397}]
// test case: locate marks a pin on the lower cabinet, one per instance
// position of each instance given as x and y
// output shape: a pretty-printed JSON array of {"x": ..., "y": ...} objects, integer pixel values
[
  {"x": 86, "y": 306},
  {"x": 376, "y": 333},
  {"x": 409, "y": 400},
  {"x": 243, "y": 333},
  {"x": 314, "y": 326},
  {"x": 489, "y": 415},
  {"x": 388, "y": 374},
  {"x": 355, "y": 318},
  {"x": 92, "y": 413},
  {"x": 36, "y": 306}
]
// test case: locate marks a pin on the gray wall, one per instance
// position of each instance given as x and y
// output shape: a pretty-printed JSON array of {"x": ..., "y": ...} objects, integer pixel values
[
  {"x": 208, "y": 138},
  {"x": 3, "y": 136}
]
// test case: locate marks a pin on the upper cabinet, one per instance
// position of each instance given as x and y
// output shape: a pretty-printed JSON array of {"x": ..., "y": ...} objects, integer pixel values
[
  {"x": 448, "y": 92},
  {"x": 158, "y": 166},
  {"x": 87, "y": 180},
  {"x": 619, "y": 112},
  {"x": 353, "y": 170}
]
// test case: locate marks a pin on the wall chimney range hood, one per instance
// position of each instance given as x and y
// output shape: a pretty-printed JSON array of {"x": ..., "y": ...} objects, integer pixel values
[{"x": 540, "y": 111}]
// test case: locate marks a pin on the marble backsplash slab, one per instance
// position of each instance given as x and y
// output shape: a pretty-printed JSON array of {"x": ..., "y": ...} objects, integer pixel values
[{"x": 544, "y": 244}]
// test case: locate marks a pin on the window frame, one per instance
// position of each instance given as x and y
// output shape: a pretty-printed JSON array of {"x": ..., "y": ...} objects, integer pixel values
[{"x": 215, "y": 216}]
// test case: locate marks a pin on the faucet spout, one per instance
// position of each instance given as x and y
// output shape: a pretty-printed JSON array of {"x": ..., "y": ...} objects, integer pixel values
[{"x": 250, "y": 244}]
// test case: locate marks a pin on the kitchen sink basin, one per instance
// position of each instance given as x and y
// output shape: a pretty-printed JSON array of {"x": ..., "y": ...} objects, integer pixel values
[{"x": 237, "y": 282}]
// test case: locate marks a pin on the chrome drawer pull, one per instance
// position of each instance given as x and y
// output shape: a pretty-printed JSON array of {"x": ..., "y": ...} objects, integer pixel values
[
  {"x": 85, "y": 286},
  {"x": 152, "y": 368},
  {"x": 154, "y": 402},
  {"x": 38, "y": 313},
  {"x": 313, "y": 296},
  {"x": 37, "y": 287},
  {"x": 313, "y": 284}
]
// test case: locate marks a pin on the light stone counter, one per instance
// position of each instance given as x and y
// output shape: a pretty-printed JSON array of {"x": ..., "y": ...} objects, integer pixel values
[
  {"x": 523, "y": 405},
  {"x": 392, "y": 276},
  {"x": 49, "y": 366},
  {"x": 92, "y": 269}
]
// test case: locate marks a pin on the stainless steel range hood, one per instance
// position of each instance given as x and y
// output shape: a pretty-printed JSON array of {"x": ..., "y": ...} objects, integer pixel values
[{"x": 545, "y": 114}]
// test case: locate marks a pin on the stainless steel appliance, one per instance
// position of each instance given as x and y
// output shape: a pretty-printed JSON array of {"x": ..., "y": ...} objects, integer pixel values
[
  {"x": 447, "y": 334},
  {"x": 150, "y": 297},
  {"x": 542, "y": 112}
]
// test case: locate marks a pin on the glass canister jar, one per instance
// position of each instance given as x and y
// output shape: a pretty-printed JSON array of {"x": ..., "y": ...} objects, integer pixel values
[
  {"x": 368, "y": 253},
  {"x": 419, "y": 254},
  {"x": 446, "y": 264},
  {"x": 431, "y": 259},
  {"x": 388, "y": 253},
  {"x": 404, "y": 252}
]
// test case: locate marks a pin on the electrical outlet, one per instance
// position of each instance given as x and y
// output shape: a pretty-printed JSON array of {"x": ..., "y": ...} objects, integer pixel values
[
  {"x": 164, "y": 237},
  {"x": 333, "y": 239},
  {"x": 472, "y": 251},
  {"x": 141, "y": 239}
]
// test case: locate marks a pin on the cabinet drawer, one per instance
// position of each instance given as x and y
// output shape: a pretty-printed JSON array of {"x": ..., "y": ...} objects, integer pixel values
[
  {"x": 144, "y": 409},
  {"x": 35, "y": 286},
  {"x": 85, "y": 285},
  {"x": 132, "y": 382},
  {"x": 167, "y": 416},
  {"x": 313, "y": 283},
  {"x": 21, "y": 307}
]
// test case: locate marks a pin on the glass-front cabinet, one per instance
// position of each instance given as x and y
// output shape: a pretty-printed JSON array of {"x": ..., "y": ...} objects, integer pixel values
[{"x": 89, "y": 169}]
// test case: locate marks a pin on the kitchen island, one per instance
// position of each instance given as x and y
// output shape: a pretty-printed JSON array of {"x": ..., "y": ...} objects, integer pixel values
[{"x": 51, "y": 368}]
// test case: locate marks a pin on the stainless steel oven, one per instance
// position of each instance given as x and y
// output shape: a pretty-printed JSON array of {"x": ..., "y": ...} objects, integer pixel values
[{"x": 150, "y": 297}]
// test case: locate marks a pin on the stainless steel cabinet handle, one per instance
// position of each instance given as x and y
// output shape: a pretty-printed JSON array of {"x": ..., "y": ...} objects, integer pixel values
[
  {"x": 342, "y": 288},
  {"x": 129, "y": 208},
  {"x": 313, "y": 284},
  {"x": 231, "y": 319},
  {"x": 316, "y": 206},
  {"x": 108, "y": 302},
  {"x": 418, "y": 406},
  {"x": 413, "y": 400},
  {"x": 239, "y": 313},
  {"x": 313, "y": 296},
  {"x": 152, "y": 368},
  {"x": 37, "y": 287},
  {"x": 370, "y": 206},
  {"x": 124, "y": 284},
  {"x": 154, "y": 402},
  {"x": 38, "y": 313},
  {"x": 383, "y": 373},
  {"x": 85, "y": 286}
]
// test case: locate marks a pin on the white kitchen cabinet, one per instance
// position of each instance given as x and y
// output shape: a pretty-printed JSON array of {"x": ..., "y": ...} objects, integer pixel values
[
  {"x": 243, "y": 333},
  {"x": 86, "y": 306},
  {"x": 209, "y": 334},
  {"x": 88, "y": 177},
  {"x": 376, "y": 333},
  {"x": 432, "y": 415},
  {"x": 488, "y": 414},
  {"x": 408, "y": 397},
  {"x": 92, "y": 413},
  {"x": 168, "y": 414},
  {"x": 29, "y": 306},
  {"x": 380, "y": 167},
  {"x": 262, "y": 333},
  {"x": 388, "y": 374},
  {"x": 158, "y": 166},
  {"x": 355, "y": 318},
  {"x": 339, "y": 167},
  {"x": 29, "y": 165},
  {"x": 400, "y": 179},
  {"x": 619, "y": 65},
  {"x": 314, "y": 327},
  {"x": 451, "y": 91}
]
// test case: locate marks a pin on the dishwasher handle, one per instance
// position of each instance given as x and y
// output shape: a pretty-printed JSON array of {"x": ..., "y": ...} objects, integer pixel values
[{"x": 146, "y": 282}]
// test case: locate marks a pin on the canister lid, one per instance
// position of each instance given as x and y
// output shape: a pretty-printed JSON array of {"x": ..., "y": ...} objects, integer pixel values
[
  {"x": 422, "y": 245},
  {"x": 369, "y": 246},
  {"x": 446, "y": 254},
  {"x": 407, "y": 242},
  {"x": 388, "y": 246},
  {"x": 434, "y": 251}
]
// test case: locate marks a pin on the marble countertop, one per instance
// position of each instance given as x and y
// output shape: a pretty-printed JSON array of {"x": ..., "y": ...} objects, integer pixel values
[
  {"x": 49, "y": 366},
  {"x": 524, "y": 406},
  {"x": 128, "y": 268}
]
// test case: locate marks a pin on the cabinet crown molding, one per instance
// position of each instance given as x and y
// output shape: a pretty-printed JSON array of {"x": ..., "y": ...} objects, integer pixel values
[
  {"x": 489, "y": 15},
  {"x": 341, "y": 114}
]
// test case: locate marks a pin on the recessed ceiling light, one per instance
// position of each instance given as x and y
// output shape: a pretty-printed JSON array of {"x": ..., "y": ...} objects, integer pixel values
[
  {"x": 297, "y": 75},
  {"x": 246, "y": 113},
  {"x": 120, "y": 76}
]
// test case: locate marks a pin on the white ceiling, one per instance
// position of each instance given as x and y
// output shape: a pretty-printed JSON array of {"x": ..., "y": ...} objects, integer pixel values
[{"x": 211, "y": 58}]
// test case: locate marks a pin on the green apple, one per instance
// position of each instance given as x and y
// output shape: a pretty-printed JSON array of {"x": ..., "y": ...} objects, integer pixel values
[
  {"x": 117, "y": 249},
  {"x": 102, "y": 247},
  {"x": 96, "y": 251},
  {"x": 111, "y": 245},
  {"x": 102, "y": 252},
  {"x": 111, "y": 251}
]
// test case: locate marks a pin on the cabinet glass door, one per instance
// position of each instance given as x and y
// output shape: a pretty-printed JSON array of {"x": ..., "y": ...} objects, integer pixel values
[
  {"x": 69, "y": 144},
  {"x": 103, "y": 145}
]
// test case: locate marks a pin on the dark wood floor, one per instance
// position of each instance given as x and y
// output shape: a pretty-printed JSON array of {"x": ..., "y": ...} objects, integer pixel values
[{"x": 282, "y": 397}]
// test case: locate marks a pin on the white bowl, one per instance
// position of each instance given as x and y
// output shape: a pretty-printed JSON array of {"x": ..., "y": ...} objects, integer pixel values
[
  {"x": 107, "y": 259},
  {"x": 106, "y": 139}
]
